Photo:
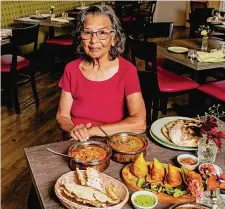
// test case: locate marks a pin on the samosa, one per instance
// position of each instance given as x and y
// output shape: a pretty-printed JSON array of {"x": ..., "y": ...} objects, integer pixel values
[
  {"x": 139, "y": 167},
  {"x": 189, "y": 176},
  {"x": 157, "y": 172},
  {"x": 173, "y": 177}
]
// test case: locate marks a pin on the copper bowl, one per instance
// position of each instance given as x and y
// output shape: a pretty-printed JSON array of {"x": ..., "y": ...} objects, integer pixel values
[
  {"x": 99, "y": 165},
  {"x": 127, "y": 157}
]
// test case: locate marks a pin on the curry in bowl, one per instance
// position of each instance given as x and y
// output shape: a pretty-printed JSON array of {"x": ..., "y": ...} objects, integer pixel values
[
  {"x": 90, "y": 154},
  {"x": 127, "y": 143},
  {"x": 127, "y": 146}
]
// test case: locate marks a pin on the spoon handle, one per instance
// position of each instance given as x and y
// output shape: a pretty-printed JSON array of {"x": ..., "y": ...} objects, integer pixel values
[{"x": 58, "y": 153}]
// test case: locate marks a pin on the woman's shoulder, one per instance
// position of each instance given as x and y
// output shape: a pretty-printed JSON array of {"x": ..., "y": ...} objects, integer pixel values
[
  {"x": 126, "y": 66},
  {"x": 73, "y": 66}
]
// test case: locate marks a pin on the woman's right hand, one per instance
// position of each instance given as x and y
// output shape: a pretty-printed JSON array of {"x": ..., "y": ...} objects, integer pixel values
[{"x": 80, "y": 132}]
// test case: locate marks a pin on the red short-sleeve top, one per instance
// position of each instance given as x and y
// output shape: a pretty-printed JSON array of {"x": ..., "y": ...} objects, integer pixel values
[{"x": 103, "y": 101}]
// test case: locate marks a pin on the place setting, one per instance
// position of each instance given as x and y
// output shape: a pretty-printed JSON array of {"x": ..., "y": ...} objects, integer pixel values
[{"x": 190, "y": 182}]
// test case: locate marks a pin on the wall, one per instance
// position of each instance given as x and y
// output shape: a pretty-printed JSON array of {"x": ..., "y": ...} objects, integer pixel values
[{"x": 172, "y": 11}]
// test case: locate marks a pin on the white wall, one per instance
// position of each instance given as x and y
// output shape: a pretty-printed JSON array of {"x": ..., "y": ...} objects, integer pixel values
[{"x": 171, "y": 11}]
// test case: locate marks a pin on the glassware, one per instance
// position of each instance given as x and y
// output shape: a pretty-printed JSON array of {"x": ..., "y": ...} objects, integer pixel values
[
  {"x": 207, "y": 150},
  {"x": 38, "y": 13},
  {"x": 204, "y": 46},
  {"x": 65, "y": 15},
  {"x": 192, "y": 54},
  {"x": 213, "y": 199}
]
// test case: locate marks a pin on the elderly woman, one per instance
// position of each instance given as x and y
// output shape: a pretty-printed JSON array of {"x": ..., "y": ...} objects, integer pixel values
[{"x": 100, "y": 86}]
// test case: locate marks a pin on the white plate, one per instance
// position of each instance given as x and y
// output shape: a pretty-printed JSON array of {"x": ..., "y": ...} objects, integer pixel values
[
  {"x": 156, "y": 128},
  {"x": 178, "y": 49}
]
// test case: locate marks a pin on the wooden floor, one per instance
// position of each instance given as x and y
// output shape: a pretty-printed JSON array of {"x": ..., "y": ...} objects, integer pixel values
[{"x": 31, "y": 128}]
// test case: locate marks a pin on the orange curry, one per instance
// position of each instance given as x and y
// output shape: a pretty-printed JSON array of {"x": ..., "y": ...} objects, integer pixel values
[
  {"x": 89, "y": 153},
  {"x": 127, "y": 143}
]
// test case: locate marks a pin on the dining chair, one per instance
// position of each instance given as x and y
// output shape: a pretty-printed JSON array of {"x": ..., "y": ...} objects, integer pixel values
[
  {"x": 214, "y": 90},
  {"x": 157, "y": 84},
  {"x": 199, "y": 4},
  {"x": 198, "y": 16},
  {"x": 148, "y": 12},
  {"x": 13, "y": 64}
]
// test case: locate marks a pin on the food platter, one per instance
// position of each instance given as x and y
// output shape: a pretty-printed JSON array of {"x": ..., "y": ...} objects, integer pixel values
[
  {"x": 72, "y": 178},
  {"x": 178, "y": 49},
  {"x": 157, "y": 134},
  {"x": 128, "y": 178}
]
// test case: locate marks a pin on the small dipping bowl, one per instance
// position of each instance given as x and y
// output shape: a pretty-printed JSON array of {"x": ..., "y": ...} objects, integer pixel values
[
  {"x": 99, "y": 165},
  {"x": 186, "y": 165},
  {"x": 205, "y": 168},
  {"x": 189, "y": 206},
  {"x": 144, "y": 193},
  {"x": 127, "y": 156}
]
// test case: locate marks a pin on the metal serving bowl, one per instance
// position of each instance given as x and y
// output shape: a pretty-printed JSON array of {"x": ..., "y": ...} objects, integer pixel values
[
  {"x": 189, "y": 205},
  {"x": 127, "y": 157},
  {"x": 99, "y": 165}
]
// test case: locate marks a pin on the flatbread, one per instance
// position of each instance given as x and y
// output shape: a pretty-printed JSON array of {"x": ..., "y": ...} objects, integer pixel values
[{"x": 183, "y": 132}]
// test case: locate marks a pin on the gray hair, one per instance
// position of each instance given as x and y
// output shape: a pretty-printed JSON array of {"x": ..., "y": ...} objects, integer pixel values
[{"x": 107, "y": 11}]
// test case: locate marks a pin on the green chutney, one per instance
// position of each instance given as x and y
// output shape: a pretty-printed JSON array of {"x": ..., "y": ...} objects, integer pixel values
[{"x": 144, "y": 200}]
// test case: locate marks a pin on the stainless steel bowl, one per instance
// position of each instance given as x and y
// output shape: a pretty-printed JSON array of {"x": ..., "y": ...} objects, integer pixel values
[
  {"x": 99, "y": 165},
  {"x": 189, "y": 205},
  {"x": 127, "y": 157}
]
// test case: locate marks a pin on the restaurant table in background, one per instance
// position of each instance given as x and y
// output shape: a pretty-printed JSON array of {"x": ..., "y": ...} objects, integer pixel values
[
  {"x": 162, "y": 50},
  {"x": 46, "y": 167},
  {"x": 44, "y": 22},
  {"x": 5, "y": 36}
]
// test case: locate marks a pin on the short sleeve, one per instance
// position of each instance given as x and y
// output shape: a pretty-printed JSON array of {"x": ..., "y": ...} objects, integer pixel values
[
  {"x": 132, "y": 84},
  {"x": 65, "y": 81}
]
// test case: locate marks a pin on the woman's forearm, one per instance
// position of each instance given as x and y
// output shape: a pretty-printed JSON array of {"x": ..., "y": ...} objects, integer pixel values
[
  {"x": 132, "y": 124},
  {"x": 65, "y": 123}
]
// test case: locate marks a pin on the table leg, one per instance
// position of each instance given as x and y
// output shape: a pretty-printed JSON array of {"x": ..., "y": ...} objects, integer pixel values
[{"x": 51, "y": 32}]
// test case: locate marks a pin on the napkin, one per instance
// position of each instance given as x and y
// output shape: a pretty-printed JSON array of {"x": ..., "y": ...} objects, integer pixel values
[
  {"x": 216, "y": 56},
  {"x": 59, "y": 20}
]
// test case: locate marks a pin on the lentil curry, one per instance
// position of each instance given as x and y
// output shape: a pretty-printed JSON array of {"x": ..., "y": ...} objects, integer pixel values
[{"x": 127, "y": 143}]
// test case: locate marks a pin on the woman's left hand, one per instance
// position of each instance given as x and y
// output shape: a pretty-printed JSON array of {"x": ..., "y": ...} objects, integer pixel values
[{"x": 81, "y": 132}]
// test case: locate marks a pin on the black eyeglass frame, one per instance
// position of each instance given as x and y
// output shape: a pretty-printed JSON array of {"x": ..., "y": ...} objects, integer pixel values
[{"x": 96, "y": 32}]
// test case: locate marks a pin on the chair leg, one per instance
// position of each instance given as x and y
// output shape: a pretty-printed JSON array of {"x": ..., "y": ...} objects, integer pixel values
[
  {"x": 15, "y": 95},
  {"x": 155, "y": 109},
  {"x": 163, "y": 104},
  {"x": 34, "y": 89}
]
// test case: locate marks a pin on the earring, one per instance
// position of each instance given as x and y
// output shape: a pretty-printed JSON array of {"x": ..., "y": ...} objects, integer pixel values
[{"x": 79, "y": 48}]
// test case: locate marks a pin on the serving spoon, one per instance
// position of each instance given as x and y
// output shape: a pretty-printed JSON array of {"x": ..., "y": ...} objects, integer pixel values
[
  {"x": 110, "y": 138},
  {"x": 58, "y": 153}
]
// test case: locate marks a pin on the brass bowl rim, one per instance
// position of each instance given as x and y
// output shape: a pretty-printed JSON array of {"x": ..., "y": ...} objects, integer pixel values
[{"x": 86, "y": 143}]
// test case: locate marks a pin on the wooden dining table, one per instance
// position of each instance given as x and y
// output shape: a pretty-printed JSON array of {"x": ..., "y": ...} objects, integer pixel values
[
  {"x": 44, "y": 22},
  {"x": 46, "y": 167},
  {"x": 194, "y": 65}
]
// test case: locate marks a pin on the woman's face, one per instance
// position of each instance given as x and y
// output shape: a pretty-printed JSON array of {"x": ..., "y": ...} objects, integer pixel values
[{"x": 97, "y": 45}]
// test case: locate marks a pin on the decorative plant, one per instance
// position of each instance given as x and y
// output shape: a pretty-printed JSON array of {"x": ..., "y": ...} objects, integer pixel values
[
  {"x": 209, "y": 124},
  {"x": 204, "y": 30}
]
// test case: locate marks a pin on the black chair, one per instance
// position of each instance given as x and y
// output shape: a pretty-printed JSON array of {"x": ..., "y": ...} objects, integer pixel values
[
  {"x": 199, "y": 17},
  {"x": 157, "y": 84},
  {"x": 148, "y": 12},
  {"x": 199, "y": 4},
  {"x": 13, "y": 64}
]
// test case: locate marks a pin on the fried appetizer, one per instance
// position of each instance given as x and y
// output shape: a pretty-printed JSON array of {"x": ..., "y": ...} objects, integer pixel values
[
  {"x": 139, "y": 168},
  {"x": 173, "y": 177},
  {"x": 157, "y": 172}
]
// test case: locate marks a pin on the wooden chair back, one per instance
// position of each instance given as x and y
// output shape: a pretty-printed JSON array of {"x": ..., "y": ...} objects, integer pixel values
[{"x": 199, "y": 4}]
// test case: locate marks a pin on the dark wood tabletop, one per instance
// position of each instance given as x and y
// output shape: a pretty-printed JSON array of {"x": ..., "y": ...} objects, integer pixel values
[
  {"x": 44, "y": 22},
  {"x": 182, "y": 57},
  {"x": 46, "y": 167}
]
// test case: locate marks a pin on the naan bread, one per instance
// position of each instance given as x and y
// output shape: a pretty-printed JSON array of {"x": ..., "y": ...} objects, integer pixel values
[{"x": 183, "y": 132}]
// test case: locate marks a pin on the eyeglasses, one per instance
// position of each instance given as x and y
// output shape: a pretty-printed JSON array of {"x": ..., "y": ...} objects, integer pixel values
[{"x": 101, "y": 34}]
